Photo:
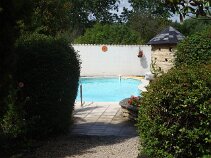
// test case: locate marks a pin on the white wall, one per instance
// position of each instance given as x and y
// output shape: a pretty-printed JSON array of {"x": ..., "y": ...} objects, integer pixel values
[{"x": 118, "y": 60}]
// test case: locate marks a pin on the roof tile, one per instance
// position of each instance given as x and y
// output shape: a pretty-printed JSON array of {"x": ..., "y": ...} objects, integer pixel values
[{"x": 168, "y": 36}]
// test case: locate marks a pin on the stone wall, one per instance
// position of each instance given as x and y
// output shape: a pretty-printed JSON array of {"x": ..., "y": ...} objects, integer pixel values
[{"x": 163, "y": 57}]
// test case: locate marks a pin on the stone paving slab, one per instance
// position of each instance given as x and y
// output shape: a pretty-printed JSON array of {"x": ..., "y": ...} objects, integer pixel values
[{"x": 101, "y": 119}]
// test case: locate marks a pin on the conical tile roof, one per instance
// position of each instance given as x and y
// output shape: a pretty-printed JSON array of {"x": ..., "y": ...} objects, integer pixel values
[{"x": 168, "y": 36}]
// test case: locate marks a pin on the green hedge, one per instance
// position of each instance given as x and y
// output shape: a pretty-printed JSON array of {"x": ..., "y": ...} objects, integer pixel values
[
  {"x": 174, "y": 119},
  {"x": 195, "y": 49},
  {"x": 48, "y": 72}
]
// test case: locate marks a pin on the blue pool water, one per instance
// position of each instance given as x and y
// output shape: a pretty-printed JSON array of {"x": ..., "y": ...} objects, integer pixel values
[{"x": 107, "y": 89}]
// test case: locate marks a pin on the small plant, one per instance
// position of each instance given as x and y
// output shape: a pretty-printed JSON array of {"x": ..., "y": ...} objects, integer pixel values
[
  {"x": 134, "y": 101},
  {"x": 156, "y": 71},
  {"x": 131, "y": 107}
]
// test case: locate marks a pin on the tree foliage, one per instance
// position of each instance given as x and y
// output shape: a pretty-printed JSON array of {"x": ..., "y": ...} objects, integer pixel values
[
  {"x": 196, "y": 49},
  {"x": 150, "y": 6},
  {"x": 191, "y": 26},
  {"x": 195, "y": 8},
  {"x": 146, "y": 25},
  {"x": 52, "y": 16},
  {"x": 199, "y": 8},
  {"x": 147, "y": 18},
  {"x": 109, "y": 34}
]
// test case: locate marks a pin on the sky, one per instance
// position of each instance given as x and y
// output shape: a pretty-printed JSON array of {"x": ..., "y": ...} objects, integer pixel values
[{"x": 124, "y": 3}]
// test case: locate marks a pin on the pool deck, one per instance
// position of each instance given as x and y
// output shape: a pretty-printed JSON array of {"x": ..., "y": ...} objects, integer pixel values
[
  {"x": 144, "y": 83},
  {"x": 101, "y": 119}
]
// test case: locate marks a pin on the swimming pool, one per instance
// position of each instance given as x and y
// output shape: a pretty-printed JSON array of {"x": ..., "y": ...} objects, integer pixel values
[{"x": 107, "y": 89}]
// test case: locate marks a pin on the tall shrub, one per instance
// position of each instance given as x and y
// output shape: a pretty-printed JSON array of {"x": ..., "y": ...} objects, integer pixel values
[
  {"x": 195, "y": 49},
  {"x": 48, "y": 72},
  {"x": 174, "y": 119},
  {"x": 12, "y": 13}
]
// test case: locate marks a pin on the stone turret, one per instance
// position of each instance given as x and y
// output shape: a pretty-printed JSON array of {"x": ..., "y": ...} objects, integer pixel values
[{"x": 163, "y": 48}]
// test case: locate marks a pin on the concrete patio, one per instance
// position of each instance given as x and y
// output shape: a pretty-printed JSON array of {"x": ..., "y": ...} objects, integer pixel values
[{"x": 101, "y": 119}]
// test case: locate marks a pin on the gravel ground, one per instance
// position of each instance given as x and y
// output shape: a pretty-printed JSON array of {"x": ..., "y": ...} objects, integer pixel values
[{"x": 88, "y": 147}]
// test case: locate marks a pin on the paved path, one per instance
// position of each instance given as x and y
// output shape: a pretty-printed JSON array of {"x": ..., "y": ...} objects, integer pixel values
[{"x": 101, "y": 119}]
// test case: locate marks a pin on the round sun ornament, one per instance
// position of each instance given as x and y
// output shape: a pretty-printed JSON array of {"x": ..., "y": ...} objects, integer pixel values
[{"x": 104, "y": 48}]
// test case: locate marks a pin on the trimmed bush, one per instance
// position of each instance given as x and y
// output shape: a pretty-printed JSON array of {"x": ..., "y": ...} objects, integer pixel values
[
  {"x": 174, "y": 119},
  {"x": 195, "y": 49},
  {"x": 48, "y": 72}
]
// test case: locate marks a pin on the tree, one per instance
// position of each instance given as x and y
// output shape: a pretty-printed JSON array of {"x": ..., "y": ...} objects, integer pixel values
[
  {"x": 150, "y": 6},
  {"x": 52, "y": 16},
  {"x": 100, "y": 10},
  {"x": 147, "y": 18},
  {"x": 147, "y": 25},
  {"x": 200, "y": 8},
  {"x": 191, "y": 26},
  {"x": 109, "y": 34}
]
